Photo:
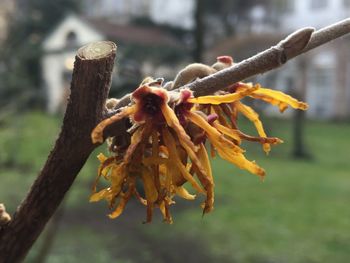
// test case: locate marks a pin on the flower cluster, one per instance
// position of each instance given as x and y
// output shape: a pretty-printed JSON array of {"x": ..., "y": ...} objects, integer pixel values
[{"x": 166, "y": 148}]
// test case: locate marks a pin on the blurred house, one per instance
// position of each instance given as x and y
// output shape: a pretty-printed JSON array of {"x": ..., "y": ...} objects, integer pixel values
[
  {"x": 177, "y": 13},
  {"x": 141, "y": 51},
  {"x": 7, "y": 8},
  {"x": 322, "y": 76}
]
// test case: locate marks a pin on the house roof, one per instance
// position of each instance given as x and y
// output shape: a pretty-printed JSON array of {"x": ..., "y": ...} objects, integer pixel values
[
  {"x": 88, "y": 30},
  {"x": 243, "y": 46},
  {"x": 134, "y": 34}
]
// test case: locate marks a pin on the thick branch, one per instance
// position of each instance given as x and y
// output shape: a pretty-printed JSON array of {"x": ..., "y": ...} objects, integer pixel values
[
  {"x": 295, "y": 44},
  {"x": 89, "y": 90}
]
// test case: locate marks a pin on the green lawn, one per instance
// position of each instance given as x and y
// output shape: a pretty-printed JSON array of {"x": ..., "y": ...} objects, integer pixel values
[{"x": 300, "y": 213}]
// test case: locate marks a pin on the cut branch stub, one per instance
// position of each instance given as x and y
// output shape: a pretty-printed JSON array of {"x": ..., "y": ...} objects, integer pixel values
[
  {"x": 97, "y": 50},
  {"x": 89, "y": 90}
]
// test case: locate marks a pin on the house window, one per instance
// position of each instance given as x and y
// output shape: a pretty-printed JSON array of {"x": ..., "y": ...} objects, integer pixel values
[
  {"x": 321, "y": 81},
  {"x": 318, "y": 4},
  {"x": 71, "y": 39}
]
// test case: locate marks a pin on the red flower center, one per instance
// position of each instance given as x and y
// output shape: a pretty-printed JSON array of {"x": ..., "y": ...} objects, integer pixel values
[{"x": 151, "y": 104}]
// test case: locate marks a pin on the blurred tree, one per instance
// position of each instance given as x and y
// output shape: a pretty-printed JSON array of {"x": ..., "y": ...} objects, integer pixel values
[
  {"x": 230, "y": 12},
  {"x": 199, "y": 30},
  {"x": 299, "y": 147},
  {"x": 20, "y": 54},
  {"x": 220, "y": 18}
]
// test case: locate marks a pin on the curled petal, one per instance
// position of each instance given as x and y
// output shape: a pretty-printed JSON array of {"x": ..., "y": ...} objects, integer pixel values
[
  {"x": 254, "y": 117},
  {"x": 97, "y": 133},
  {"x": 164, "y": 208},
  {"x": 135, "y": 141},
  {"x": 206, "y": 179},
  {"x": 282, "y": 98},
  {"x": 173, "y": 156},
  {"x": 149, "y": 186},
  {"x": 203, "y": 157},
  {"x": 154, "y": 161},
  {"x": 232, "y": 133},
  {"x": 282, "y": 106},
  {"x": 118, "y": 175},
  {"x": 124, "y": 198},
  {"x": 225, "y": 148},
  {"x": 184, "y": 139},
  {"x": 228, "y": 98},
  {"x": 182, "y": 192},
  {"x": 103, "y": 194},
  {"x": 121, "y": 206}
]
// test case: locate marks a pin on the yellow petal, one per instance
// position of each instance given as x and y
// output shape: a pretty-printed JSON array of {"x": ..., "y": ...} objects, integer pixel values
[
  {"x": 173, "y": 174},
  {"x": 97, "y": 133},
  {"x": 149, "y": 186},
  {"x": 254, "y": 117},
  {"x": 221, "y": 115},
  {"x": 173, "y": 156},
  {"x": 182, "y": 192},
  {"x": 203, "y": 158},
  {"x": 206, "y": 179},
  {"x": 164, "y": 208},
  {"x": 232, "y": 133},
  {"x": 213, "y": 134},
  {"x": 124, "y": 198},
  {"x": 135, "y": 141},
  {"x": 120, "y": 208},
  {"x": 282, "y": 97},
  {"x": 154, "y": 161},
  {"x": 227, "y": 98},
  {"x": 184, "y": 139},
  {"x": 118, "y": 175},
  {"x": 103, "y": 194},
  {"x": 282, "y": 106},
  {"x": 226, "y": 149}
]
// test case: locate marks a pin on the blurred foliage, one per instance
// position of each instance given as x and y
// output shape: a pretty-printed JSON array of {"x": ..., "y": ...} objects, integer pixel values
[{"x": 20, "y": 78}]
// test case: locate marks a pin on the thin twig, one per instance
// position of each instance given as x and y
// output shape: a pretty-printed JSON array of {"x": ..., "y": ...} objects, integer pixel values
[{"x": 292, "y": 46}]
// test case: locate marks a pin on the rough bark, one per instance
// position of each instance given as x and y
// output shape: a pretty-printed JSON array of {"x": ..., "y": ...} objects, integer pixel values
[{"x": 89, "y": 90}]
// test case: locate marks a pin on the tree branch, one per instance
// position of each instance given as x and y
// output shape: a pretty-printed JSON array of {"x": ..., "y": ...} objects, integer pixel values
[
  {"x": 293, "y": 45},
  {"x": 89, "y": 90}
]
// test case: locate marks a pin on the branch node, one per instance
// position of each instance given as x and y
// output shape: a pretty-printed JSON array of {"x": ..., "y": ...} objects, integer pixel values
[{"x": 293, "y": 44}]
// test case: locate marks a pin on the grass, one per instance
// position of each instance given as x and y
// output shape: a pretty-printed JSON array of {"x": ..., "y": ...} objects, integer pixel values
[{"x": 300, "y": 213}]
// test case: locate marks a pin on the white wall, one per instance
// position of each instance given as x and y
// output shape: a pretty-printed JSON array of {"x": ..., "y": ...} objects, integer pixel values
[
  {"x": 52, "y": 68},
  {"x": 173, "y": 12},
  {"x": 57, "y": 39},
  {"x": 57, "y": 60},
  {"x": 302, "y": 14},
  {"x": 321, "y": 85}
]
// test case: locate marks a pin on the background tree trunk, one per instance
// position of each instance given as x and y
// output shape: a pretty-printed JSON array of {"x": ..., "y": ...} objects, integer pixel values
[
  {"x": 299, "y": 147},
  {"x": 199, "y": 31}
]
